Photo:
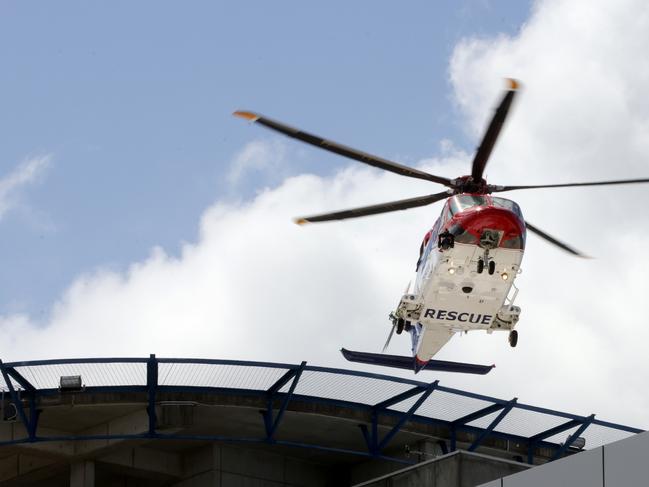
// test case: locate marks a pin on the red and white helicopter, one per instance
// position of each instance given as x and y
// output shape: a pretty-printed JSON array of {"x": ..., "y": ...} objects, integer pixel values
[{"x": 468, "y": 260}]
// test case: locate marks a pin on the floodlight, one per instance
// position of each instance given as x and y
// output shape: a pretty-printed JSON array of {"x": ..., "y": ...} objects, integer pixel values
[
  {"x": 69, "y": 383},
  {"x": 579, "y": 443}
]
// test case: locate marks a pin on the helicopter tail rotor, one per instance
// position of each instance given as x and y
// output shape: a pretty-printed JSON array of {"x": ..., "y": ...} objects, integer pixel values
[
  {"x": 394, "y": 327},
  {"x": 398, "y": 324}
]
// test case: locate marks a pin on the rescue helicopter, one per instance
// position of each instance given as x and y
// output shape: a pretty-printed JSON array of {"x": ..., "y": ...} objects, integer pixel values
[{"x": 468, "y": 260}]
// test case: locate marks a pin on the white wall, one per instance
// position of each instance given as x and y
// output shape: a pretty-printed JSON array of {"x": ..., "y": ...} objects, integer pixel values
[{"x": 621, "y": 464}]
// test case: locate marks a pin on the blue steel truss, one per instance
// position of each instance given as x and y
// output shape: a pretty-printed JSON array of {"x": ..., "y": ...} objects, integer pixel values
[{"x": 26, "y": 383}]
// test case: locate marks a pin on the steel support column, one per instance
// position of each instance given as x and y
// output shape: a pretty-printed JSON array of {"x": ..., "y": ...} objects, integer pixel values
[
  {"x": 271, "y": 426},
  {"x": 571, "y": 439},
  {"x": 152, "y": 386},
  {"x": 534, "y": 440},
  {"x": 399, "y": 397},
  {"x": 15, "y": 398},
  {"x": 478, "y": 414},
  {"x": 486, "y": 432},
  {"x": 31, "y": 393},
  {"x": 371, "y": 437},
  {"x": 18, "y": 377},
  {"x": 406, "y": 417}
]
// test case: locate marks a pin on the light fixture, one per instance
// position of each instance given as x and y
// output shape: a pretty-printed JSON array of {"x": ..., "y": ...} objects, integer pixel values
[
  {"x": 70, "y": 383},
  {"x": 579, "y": 443},
  {"x": 451, "y": 270},
  {"x": 504, "y": 276}
]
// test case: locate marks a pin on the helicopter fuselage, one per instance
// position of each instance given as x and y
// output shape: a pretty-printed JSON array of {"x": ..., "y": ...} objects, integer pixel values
[{"x": 465, "y": 273}]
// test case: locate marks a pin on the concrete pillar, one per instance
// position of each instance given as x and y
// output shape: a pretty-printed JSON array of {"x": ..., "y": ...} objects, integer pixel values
[{"x": 82, "y": 474}]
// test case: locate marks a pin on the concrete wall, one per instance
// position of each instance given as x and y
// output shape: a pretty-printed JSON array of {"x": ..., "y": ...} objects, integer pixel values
[
  {"x": 621, "y": 464},
  {"x": 457, "y": 469},
  {"x": 230, "y": 466}
]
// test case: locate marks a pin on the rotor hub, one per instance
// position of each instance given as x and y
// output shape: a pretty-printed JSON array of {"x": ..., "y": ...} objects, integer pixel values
[{"x": 466, "y": 184}]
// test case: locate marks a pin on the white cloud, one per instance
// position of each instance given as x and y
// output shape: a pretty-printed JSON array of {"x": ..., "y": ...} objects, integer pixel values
[
  {"x": 255, "y": 286},
  {"x": 259, "y": 156},
  {"x": 25, "y": 173}
]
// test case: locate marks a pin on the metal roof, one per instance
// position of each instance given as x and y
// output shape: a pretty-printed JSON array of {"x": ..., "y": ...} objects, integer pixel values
[{"x": 406, "y": 400}]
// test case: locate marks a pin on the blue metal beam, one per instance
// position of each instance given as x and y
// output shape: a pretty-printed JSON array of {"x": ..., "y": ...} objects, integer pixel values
[
  {"x": 371, "y": 437},
  {"x": 34, "y": 414},
  {"x": 396, "y": 399},
  {"x": 31, "y": 423},
  {"x": 486, "y": 432},
  {"x": 66, "y": 361},
  {"x": 571, "y": 439},
  {"x": 18, "y": 377},
  {"x": 556, "y": 430},
  {"x": 375, "y": 434},
  {"x": 16, "y": 401},
  {"x": 533, "y": 441},
  {"x": 282, "y": 381},
  {"x": 368, "y": 439},
  {"x": 621, "y": 427},
  {"x": 152, "y": 386},
  {"x": 406, "y": 417},
  {"x": 287, "y": 399},
  {"x": 478, "y": 414}
]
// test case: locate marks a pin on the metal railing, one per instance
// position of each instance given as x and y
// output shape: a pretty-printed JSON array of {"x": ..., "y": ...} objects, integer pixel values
[{"x": 405, "y": 400}]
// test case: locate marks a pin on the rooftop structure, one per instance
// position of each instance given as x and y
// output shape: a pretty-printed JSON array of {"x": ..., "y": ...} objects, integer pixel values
[{"x": 82, "y": 408}]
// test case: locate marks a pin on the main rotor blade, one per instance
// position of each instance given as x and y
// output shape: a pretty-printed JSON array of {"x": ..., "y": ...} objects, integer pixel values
[
  {"x": 343, "y": 150},
  {"x": 498, "y": 189},
  {"x": 491, "y": 135},
  {"x": 375, "y": 209},
  {"x": 554, "y": 241}
]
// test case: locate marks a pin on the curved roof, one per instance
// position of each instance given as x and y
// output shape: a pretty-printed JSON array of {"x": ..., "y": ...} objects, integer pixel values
[{"x": 474, "y": 417}]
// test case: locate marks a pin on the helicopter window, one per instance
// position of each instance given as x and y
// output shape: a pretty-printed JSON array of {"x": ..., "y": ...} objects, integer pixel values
[
  {"x": 447, "y": 212},
  {"x": 454, "y": 206},
  {"x": 508, "y": 204},
  {"x": 464, "y": 201}
]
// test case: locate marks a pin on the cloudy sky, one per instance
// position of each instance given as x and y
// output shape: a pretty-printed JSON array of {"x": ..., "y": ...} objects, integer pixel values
[{"x": 139, "y": 217}]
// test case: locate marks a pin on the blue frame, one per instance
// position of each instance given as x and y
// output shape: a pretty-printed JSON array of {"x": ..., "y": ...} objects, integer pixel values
[{"x": 272, "y": 396}]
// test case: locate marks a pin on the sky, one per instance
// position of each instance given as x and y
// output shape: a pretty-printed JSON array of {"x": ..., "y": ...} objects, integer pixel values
[{"x": 140, "y": 217}]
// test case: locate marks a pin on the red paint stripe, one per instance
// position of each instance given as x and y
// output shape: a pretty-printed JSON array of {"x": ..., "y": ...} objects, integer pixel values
[{"x": 421, "y": 362}]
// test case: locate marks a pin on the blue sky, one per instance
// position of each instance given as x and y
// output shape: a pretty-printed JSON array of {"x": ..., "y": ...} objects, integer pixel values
[{"x": 132, "y": 102}]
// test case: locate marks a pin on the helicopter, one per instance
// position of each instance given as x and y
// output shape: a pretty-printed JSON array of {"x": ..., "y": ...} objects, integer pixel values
[{"x": 468, "y": 260}]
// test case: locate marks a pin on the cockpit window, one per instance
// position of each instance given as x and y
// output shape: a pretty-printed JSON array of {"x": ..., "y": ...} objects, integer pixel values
[
  {"x": 464, "y": 201},
  {"x": 508, "y": 204}
]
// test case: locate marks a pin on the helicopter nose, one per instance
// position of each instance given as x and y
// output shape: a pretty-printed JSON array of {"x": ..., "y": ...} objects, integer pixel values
[{"x": 493, "y": 227}]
